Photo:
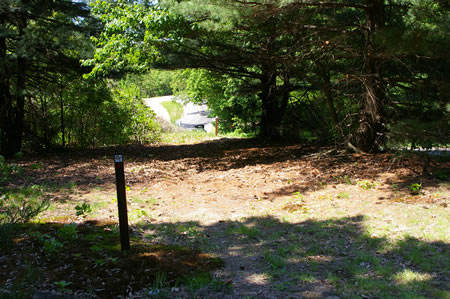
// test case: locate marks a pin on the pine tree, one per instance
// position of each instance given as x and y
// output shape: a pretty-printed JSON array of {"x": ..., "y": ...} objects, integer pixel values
[{"x": 36, "y": 42}]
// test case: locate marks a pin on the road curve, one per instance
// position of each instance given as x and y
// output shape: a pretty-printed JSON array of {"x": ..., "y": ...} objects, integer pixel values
[
  {"x": 194, "y": 117},
  {"x": 155, "y": 105}
]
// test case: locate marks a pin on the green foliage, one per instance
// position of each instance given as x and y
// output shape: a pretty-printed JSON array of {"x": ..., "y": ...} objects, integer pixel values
[
  {"x": 186, "y": 136},
  {"x": 366, "y": 185},
  {"x": 69, "y": 232},
  {"x": 97, "y": 113},
  {"x": 50, "y": 244},
  {"x": 160, "y": 281},
  {"x": 198, "y": 281},
  {"x": 298, "y": 197},
  {"x": 237, "y": 107},
  {"x": 24, "y": 287},
  {"x": 441, "y": 174},
  {"x": 274, "y": 260},
  {"x": 139, "y": 124},
  {"x": 415, "y": 188},
  {"x": 311, "y": 83},
  {"x": 343, "y": 195},
  {"x": 249, "y": 232},
  {"x": 422, "y": 132},
  {"x": 62, "y": 285},
  {"x": 174, "y": 109},
  {"x": 41, "y": 42},
  {"x": 83, "y": 209},
  {"x": 38, "y": 165},
  {"x": 7, "y": 170},
  {"x": 21, "y": 205},
  {"x": 155, "y": 83},
  {"x": 6, "y": 235}
]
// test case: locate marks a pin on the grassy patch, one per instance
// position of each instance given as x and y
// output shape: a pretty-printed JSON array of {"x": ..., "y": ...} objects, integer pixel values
[
  {"x": 196, "y": 136},
  {"x": 186, "y": 136},
  {"x": 174, "y": 109},
  {"x": 242, "y": 230},
  {"x": 274, "y": 260}
]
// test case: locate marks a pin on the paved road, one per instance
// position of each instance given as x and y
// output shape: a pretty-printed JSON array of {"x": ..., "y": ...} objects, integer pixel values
[
  {"x": 194, "y": 116},
  {"x": 155, "y": 105}
]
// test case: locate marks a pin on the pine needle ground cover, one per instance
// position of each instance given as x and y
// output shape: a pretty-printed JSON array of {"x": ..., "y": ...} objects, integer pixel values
[{"x": 233, "y": 218}]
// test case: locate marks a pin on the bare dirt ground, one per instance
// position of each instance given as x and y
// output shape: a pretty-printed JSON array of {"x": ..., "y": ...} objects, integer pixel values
[{"x": 245, "y": 201}]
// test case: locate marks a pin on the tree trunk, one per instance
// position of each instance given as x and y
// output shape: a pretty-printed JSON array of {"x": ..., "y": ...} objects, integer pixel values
[
  {"x": 61, "y": 108},
  {"x": 326, "y": 91},
  {"x": 271, "y": 110},
  {"x": 12, "y": 104},
  {"x": 5, "y": 98},
  {"x": 370, "y": 133}
]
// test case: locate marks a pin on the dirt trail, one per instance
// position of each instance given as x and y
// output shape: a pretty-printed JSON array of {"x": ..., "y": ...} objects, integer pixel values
[{"x": 218, "y": 191}]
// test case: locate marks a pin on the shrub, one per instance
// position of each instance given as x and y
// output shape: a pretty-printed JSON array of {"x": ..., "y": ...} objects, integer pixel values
[
  {"x": 19, "y": 206},
  {"x": 6, "y": 170}
]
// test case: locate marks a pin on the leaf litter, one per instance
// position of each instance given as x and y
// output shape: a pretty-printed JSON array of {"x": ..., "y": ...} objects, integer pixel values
[{"x": 230, "y": 208}]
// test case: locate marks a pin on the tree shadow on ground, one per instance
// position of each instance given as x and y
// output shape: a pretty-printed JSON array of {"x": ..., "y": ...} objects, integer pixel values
[
  {"x": 314, "y": 165},
  {"x": 268, "y": 258},
  {"x": 87, "y": 168},
  {"x": 259, "y": 257}
]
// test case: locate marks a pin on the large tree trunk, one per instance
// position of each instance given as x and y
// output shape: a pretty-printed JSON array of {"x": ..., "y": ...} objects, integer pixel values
[
  {"x": 370, "y": 133},
  {"x": 4, "y": 91},
  {"x": 272, "y": 113},
  {"x": 61, "y": 110},
  {"x": 326, "y": 91},
  {"x": 12, "y": 120},
  {"x": 12, "y": 104}
]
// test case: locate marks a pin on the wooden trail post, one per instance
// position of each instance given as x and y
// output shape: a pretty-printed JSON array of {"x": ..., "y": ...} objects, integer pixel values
[
  {"x": 122, "y": 202},
  {"x": 217, "y": 125}
]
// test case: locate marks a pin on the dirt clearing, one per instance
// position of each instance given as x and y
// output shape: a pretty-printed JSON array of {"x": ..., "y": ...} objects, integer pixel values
[{"x": 284, "y": 220}]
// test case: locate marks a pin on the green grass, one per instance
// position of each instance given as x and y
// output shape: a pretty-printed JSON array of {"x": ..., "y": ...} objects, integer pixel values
[
  {"x": 186, "y": 136},
  {"x": 196, "y": 136},
  {"x": 343, "y": 195},
  {"x": 251, "y": 233},
  {"x": 174, "y": 109},
  {"x": 274, "y": 260}
]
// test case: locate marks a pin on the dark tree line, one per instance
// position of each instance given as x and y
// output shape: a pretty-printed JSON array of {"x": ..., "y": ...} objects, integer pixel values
[{"x": 37, "y": 44}]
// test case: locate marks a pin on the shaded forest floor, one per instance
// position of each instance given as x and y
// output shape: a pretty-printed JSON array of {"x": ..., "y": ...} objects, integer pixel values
[{"x": 236, "y": 218}]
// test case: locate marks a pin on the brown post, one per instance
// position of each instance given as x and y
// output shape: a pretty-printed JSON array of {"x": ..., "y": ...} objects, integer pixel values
[
  {"x": 217, "y": 124},
  {"x": 122, "y": 202}
]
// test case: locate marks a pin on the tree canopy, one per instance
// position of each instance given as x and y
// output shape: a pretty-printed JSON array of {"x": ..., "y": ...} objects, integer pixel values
[
  {"x": 368, "y": 73},
  {"x": 43, "y": 96},
  {"x": 385, "y": 63},
  {"x": 39, "y": 40}
]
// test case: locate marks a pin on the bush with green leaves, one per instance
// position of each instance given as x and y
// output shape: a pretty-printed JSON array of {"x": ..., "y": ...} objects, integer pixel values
[
  {"x": 95, "y": 113},
  {"x": 415, "y": 188},
  {"x": 21, "y": 205},
  {"x": 7, "y": 170},
  {"x": 83, "y": 209},
  {"x": 69, "y": 232},
  {"x": 138, "y": 123},
  {"x": 237, "y": 107},
  {"x": 50, "y": 244}
]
